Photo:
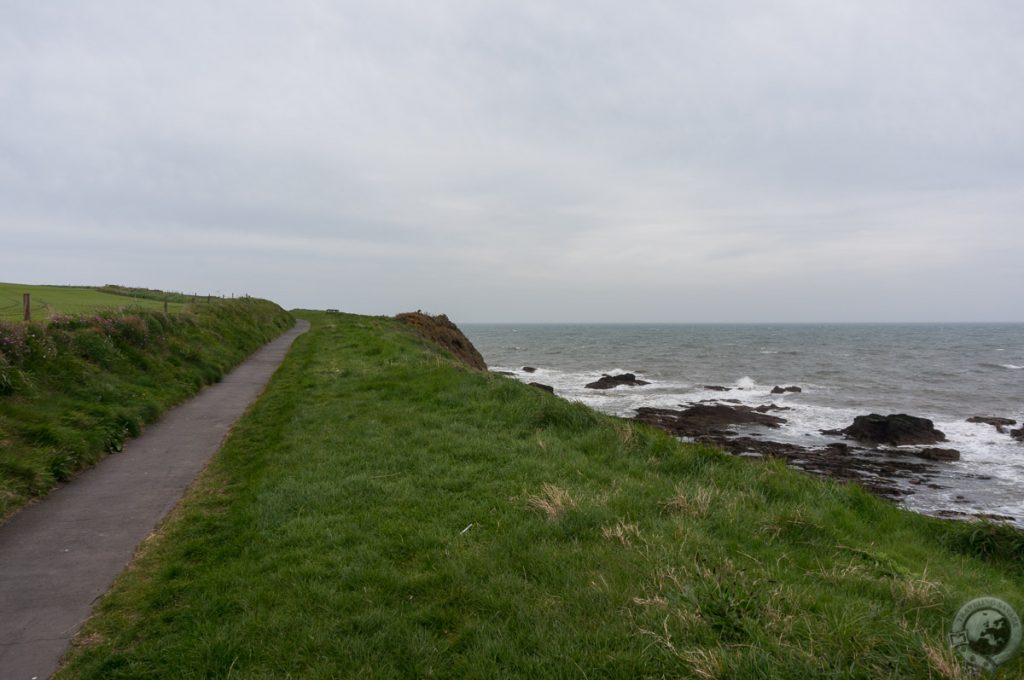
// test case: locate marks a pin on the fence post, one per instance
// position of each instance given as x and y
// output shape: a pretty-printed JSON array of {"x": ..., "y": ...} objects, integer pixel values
[
  {"x": 26, "y": 301},
  {"x": 165, "y": 307}
]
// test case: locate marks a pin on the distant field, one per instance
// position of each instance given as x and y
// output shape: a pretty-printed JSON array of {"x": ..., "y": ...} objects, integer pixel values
[{"x": 49, "y": 300}]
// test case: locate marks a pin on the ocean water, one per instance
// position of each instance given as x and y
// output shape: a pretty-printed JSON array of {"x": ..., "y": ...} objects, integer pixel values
[{"x": 944, "y": 372}]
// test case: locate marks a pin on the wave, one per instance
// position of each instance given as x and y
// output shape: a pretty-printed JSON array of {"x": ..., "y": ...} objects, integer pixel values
[
  {"x": 1009, "y": 367},
  {"x": 746, "y": 383}
]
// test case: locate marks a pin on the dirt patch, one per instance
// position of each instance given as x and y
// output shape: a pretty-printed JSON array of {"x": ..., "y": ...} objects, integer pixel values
[{"x": 441, "y": 331}]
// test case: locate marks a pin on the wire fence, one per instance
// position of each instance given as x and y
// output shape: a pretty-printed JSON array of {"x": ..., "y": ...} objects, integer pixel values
[{"x": 12, "y": 308}]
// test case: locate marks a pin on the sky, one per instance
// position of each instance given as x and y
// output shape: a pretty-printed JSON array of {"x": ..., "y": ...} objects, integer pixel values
[{"x": 670, "y": 161}]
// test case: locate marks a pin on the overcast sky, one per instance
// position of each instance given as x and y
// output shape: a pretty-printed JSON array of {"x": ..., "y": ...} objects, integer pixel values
[{"x": 523, "y": 160}]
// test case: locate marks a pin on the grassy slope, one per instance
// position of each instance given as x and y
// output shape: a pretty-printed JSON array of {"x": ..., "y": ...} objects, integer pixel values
[
  {"x": 74, "y": 388},
  {"x": 48, "y": 300},
  {"x": 381, "y": 512}
]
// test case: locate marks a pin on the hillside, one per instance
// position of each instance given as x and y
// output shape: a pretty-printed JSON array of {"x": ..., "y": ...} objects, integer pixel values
[
  {"x": 74, "y": 387},
  {"x": 384, "y": 512}
]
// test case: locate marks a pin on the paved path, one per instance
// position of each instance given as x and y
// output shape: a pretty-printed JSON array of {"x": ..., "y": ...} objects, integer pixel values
[{"x": 58, "y": 556}]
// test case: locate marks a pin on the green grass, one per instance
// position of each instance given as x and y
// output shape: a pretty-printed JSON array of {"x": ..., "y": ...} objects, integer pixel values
[
  {"x": 47, "y": 301},
  {"x": 382, "y": 512},
  {"x": 74, "y": 388}
]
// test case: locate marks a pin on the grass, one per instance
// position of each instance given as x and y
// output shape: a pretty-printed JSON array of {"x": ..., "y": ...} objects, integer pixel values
[
  {"x": 47, "y": 301},
  {"x": 75, "y": 387},
  {"x": 382, "y": 512}
]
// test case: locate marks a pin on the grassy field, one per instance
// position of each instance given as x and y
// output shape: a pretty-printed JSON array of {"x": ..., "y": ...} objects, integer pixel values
[
  {"x": 382, "y": 512},
  {"x": 49, "y": 300},
  {"x": 73, "y": 388}
]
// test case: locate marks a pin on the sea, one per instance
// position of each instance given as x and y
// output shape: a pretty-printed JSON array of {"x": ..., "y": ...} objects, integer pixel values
[{"x": 943, "y": 372}]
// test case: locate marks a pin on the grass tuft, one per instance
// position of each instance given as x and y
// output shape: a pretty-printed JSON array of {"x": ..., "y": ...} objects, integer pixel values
[{"x": 552, "y": 501}]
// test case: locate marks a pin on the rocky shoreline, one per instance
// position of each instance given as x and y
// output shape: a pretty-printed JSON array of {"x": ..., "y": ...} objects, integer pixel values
[
  {"x": 889, "y": 455},
  {"x": 874, "y": 468}
]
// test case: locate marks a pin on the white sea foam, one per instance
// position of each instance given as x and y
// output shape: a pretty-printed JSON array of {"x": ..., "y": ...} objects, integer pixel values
[
  {"x": 746, "y": 383},
  {"x": 1012, "y": 367}
]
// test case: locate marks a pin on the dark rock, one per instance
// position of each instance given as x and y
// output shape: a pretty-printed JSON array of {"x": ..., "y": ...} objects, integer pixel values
[
  {"x": 1018, "y": 434},
  {"x": 529, "y": 369},
  {"x": 994, "y": 517},
  {"x": 999, "y": 423},
  {"x": 878, "y": 474},
  {"x": 546, "y": 388},
  {"x": 716, "y": 388},
  {"x": 895, "y": 429},
  {"x": 607, "y": 382},
  {"x": 932, "y": 453},
  {"x": 441, "y": 331},
  {"x": 783, "y": 390},
  {"x": 741, "y": 445},
  {"x": 771, "y": 407},
  {"x": 704, "y": 419},
  {"x": 504, "y": 372}
]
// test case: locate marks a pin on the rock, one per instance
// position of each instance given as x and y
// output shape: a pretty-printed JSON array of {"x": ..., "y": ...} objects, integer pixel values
[
  {"x": 529, "y": 369},
  {"x": 504, "y": 372},
  {"x": 938, "y": 454},
  {"x": 783, "y": 390},
  {"x": 999, "y": 423},
  {"x": 546, "y": 388},
  {"x": 1018, "y": 434},
  {"x": 441, "y": 331},
  {"x": 704, "y": 419},
  {"x": 894, "y": 429},
  {"x": 745, "y": 445},
  {"x": 716, "y": 388},
  {"x": 607, "y": 382},
  {"x": 838, "y": 447},
  {"x": 771, "y": 407}
]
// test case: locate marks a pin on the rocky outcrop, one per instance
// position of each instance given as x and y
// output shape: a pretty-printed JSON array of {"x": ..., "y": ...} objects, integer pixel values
[
  {"x": 938, "y": 454},
  {"x": 782, "y": 390},
  {"x": 896, "y": 429},
  {"x": 442, "y": 332},
  {"x": 607, "y": 382},
  {"x": 999, "y": 423},
  {"x": 772, "y": 407},
  {"x": 1018, "y": 434},
  {"x": 529, "y": 369},
  {"x": 716, "y": 388},
  {"x": 704, "y": 419},
  {"x": 542, "y": 386}
]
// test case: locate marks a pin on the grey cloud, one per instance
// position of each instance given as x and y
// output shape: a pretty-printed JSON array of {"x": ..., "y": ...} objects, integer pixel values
[{"x": 528, "y": 160}]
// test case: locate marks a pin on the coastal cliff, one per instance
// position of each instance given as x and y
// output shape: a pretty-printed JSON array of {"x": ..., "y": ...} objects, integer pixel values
[{"x": 441, "y": 331}]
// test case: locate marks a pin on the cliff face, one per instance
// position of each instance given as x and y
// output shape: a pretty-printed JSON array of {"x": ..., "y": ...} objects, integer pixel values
[{"x": 441, "y": 331}]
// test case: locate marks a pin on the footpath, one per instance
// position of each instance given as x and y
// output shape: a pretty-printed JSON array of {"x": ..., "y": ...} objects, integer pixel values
[{"x": 59, "y": 556}]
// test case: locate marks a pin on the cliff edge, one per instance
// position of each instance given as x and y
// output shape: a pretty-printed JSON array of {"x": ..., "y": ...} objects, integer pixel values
[{"x": 441, "y": 331}]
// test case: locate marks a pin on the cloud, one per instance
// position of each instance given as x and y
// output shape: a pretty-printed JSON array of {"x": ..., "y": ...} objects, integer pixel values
[{"x": 522, "y": 160}]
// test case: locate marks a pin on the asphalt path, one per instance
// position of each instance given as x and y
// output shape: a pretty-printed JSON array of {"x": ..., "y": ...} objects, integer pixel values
[{"x": 59, "y": 556}]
